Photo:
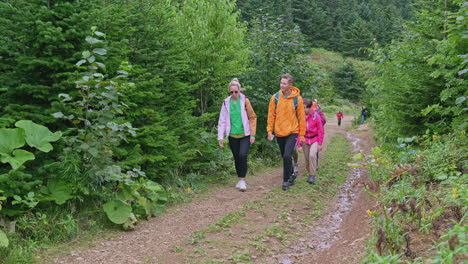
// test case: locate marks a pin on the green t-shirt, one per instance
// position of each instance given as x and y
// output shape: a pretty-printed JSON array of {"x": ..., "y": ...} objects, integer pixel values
[{"x": 237, "y": 128}]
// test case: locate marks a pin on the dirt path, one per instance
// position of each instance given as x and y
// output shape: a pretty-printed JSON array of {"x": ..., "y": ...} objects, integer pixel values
[{"x": 176, "y": 236}]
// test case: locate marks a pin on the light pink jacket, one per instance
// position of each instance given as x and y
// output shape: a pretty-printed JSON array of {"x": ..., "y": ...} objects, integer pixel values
[{"x": 224, "y": 121}]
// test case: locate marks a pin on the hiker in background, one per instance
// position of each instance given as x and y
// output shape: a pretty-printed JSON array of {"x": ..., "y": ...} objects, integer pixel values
[
  {"x": 339, "y": 116},
  {"x": 286, "y": 119},
  {"x": 238, "y": 121},
  {"x": 318, "y": 110},
  {"x": 313, "y": 140},
  {"x": 363, "y": 114}
]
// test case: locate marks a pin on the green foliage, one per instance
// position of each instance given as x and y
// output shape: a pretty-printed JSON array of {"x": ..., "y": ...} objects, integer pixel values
[
  {"x": 420, "y": 81},
  {"x": 98, "y": 127},
  {"x": 98, "y": 132},
  {"x": 451, "y": 63},
  {"x": 58, "y": 191},
  {"x": 15, "y": 188},
  {"x": 38, "y": 136},
  {"x": 215, "y": 37},
  {"x": 339, "y": 25},
  {"x": 27, "y": 132},
  {"x": 38, "y": 50},
  {"x": 453, "y": 247},
  {"x": 423, "y": 191},
  {"x": 3, "y": 239},
  {"x": 357, "y": 39},
  {"x": 118, "y": 211},
  {"x": 347, "y": 82},
  {"x": 135, "y": 199},
  {"x": 275, "y": 49},
  {"x": 16, "y": 182}
]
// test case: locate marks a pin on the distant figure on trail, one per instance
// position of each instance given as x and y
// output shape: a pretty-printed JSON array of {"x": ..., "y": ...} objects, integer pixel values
[
  {"x": 286, "y": 118},
  {"x": 339, "y": 116},
  {"x": 238, "y": 121},
  {"x": 313, "y": 140},
  {"x": 363, "y": 114}
]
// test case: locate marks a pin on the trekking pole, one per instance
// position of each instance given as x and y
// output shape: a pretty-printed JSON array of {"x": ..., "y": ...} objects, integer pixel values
[{"x": 317, "y": 159}]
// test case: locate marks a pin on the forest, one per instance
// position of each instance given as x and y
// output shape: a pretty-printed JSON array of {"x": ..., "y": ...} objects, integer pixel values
[{"x": 108, "y": 108}]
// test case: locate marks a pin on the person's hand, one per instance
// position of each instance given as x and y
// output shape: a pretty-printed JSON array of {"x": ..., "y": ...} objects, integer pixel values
[
  {"x": 302, "y": 141},
  {"x": 270, "y": 137},
  {"x": 252, "y": 140},
  {"x": 221, "y": 144},
  {"x": 299, "y": 148},
  {"x": 319, "y": 148}
]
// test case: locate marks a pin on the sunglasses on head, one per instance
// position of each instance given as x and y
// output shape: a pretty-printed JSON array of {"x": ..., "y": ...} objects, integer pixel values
[{"x": 231, "y": 92}]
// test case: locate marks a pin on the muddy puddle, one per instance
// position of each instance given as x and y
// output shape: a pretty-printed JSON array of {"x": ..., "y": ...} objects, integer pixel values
[{"x": 324, "y": 233}]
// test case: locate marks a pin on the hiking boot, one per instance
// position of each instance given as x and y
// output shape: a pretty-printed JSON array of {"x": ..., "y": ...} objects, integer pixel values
[
  {"x": 311, "y": 179},
  {"x": 292, "y": 179},
  {"x": 285, "y": 186}
]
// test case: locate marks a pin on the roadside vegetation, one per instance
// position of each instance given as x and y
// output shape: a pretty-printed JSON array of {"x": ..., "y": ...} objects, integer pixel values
[
  {"x": 422, "y": 189},
  {"x": 419, "y": 110}
]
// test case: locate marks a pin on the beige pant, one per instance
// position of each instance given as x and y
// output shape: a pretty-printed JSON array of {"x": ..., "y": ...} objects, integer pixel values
[{"x": 310, "y": 156}]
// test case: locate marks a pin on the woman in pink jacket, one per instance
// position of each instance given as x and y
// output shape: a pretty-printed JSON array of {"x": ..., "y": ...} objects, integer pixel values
[
  {"x": 238, "y": 122},
  {"x": 313, "y": 140}
]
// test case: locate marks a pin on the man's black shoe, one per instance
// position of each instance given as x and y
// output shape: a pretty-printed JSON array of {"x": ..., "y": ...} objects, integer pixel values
[
  {"x": 285, "y": 186},
  {"x": 311, "y": 179}
]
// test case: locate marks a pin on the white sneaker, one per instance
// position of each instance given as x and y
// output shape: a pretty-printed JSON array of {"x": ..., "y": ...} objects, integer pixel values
[{"x": 241, "y": 185}]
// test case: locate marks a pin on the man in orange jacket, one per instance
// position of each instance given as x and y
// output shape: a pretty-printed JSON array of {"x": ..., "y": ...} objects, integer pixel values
[{"x": 286, "y": 118}]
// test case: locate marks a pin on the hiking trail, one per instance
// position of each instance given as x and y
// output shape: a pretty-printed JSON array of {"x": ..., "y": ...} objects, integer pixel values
[{"x": 261, "y": 225}]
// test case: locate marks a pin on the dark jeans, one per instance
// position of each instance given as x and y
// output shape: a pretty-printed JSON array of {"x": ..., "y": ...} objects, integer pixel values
[
  {"x": 240, "y": 150},
  {"x": 339, "y": 122},
  {"x": 286, "y": 145}
]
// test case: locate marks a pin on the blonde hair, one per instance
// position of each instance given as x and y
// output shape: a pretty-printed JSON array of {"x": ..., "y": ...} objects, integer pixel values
[{"x": 235, "y": 82}]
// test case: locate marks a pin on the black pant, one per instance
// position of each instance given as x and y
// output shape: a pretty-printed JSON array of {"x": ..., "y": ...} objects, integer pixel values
[
  {"x": 339, "y": 122},
  {"x": 286, "y": 145},
  {"x": 240, "y": 150}
]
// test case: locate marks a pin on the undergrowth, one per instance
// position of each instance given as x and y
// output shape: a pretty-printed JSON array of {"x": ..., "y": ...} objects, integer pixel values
[{"x": 422, "y": 189}]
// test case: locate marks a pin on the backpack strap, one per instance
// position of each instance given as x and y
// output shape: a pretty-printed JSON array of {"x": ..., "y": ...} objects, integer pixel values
[
  {"x": 277, "y": 95},
  {"x": 277, "y": 99}
]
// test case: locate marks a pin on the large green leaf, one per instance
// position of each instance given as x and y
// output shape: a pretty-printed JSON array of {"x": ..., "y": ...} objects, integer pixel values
[
  {"x": 19, "y": 157},
  {"x": 38, "y": 136},
  {"x": 59, "y": 191},
  {"x": 10, "y": 139},
  {"x": 3, "y": 239},
  {"x": 117, "y": 211}
]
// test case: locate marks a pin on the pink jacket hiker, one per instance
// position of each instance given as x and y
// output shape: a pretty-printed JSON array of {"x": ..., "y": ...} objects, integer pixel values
[{"x": 314, "y": 129}]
